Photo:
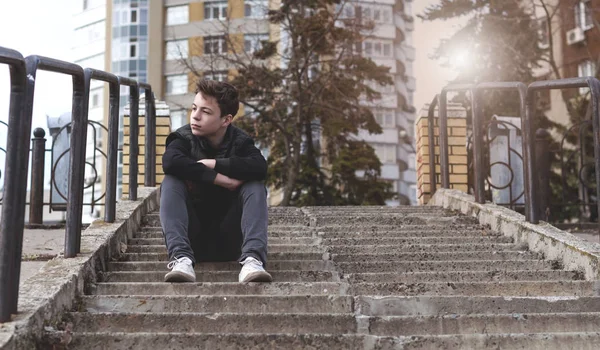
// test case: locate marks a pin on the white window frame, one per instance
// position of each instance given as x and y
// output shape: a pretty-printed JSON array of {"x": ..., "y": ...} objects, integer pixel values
[
  {"x": 178, "y": 118},
  {"x": 583, "y": 15},
  {"x": 586, "y": 69},
  {"x": 176, "y": 49},
  {"x": 218, "y": 76},
  {"x": 256, "y": 8},
  {"x": 252, "y": 42},
  {"x": 176, "y": 84},
  {"x": 221, "y": 45},
  {"x": 211, "y": 6},
  {"x": 544, "y": 35},
  {"x": 377, "y": 48},
  {"x": 177, "y": 15},
  {"x": 386, "y": 153},
  {"x": 385, "y": 118}
]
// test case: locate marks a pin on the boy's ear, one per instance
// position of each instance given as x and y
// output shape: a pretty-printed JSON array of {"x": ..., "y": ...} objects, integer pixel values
[{"x": 227, "y": 119}]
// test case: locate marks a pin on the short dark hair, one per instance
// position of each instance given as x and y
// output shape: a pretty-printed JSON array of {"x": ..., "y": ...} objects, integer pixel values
[{"x": 225, "y": 94}]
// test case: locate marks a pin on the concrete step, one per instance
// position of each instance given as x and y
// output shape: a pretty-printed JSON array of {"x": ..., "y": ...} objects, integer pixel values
[
  {"x": 484, "y": 324},
  {"x": 377, "y": 254},
  {"x": 465, "y": 276},
  {"x": 432, "y": 248},
  {"x": 222, "y": 276},
  {"x": 220, "y": 288},
  {"x": 466, "y": 240},
  {"x": 475, "y": 228},
  {"x": 213, "y": 322},
  {"x": 416, "y": 219},
  {"x": 231, "y": 341},
  {"x": 497, "y": 288},
  {"x": 219, "y": 303},
  {"x": 153, "y": 219},
  {"x": 175, "y": 341},
  {"x": 465, "y": 305},
  {"x": 272, "y": 240},
  {"x": 154, "y": 234},
  {"x": 272, "y": 265},
  {"x": 438, "y": 266},
  {"x": 270, "y": 256},
  {"x": 273, "y": 248},
  {"x": 403, "y": 233}
]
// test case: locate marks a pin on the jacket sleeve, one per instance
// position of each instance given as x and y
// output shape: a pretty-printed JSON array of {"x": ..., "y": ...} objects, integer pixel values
[
  {"x": 177, "y": 162},
  {"x": 247, "y": 165}
]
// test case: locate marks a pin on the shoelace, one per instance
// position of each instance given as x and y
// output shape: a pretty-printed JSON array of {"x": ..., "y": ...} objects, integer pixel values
[{"x": 173, "y": 263}]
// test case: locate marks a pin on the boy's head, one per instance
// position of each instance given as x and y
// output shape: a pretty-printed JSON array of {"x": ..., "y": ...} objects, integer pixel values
[{"x": 215, "y": 105}]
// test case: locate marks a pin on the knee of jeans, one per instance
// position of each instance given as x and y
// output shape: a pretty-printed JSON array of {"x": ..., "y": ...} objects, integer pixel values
[
  {"x": 172, "y": 183},
  {"x": 257, "y": 187}
]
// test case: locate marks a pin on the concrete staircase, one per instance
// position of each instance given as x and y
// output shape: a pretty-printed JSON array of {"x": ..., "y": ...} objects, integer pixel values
[{"x": 345, "y": 278}]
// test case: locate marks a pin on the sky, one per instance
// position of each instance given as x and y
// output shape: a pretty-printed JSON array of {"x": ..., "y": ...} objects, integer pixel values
[{"x": 48, "y": 32}]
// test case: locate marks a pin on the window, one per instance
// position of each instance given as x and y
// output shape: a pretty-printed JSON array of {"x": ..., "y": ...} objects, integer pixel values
[
  {"x": 218, "y": 76},
  {"x": 215, "y": 44},
  {"x": 385, "y": 153},
  {"x": 544, "y": 39},
  {"x": 256, "y": 8},
  {"x": 177, "y": 84},
  {"x": 133, "y": 50},
  {"x": 85, "y": 5},
  {"x": 253, "y": 42},
  {"x": 178, "y": 119},
  {"x": 215, "y": 10},
  {"x": 413, "y": 193},
  {"x": 95, "y": 100},
  {"x": 177, "y": 15},
  {"x": 412, "y": 161},
  {"x": 177, "y": 49},
  {"x": 385, "y": 118},
  {"x": 377, "y": 48},
  {"x": 376, "y": 13},
  {"x": 583, "y": 15},
  {"x": 134, "y": 17},
  {"x": 586, "y": 69}
]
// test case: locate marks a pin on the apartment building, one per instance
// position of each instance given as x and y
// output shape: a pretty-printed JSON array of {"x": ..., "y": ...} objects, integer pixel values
[
  {"x": 89, "y": 40},
  {"x": 148, "y": 39}
]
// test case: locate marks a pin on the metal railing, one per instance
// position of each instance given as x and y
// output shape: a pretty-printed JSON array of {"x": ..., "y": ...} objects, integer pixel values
[
  {"x": 23, "y": 78},
  {"x": 534, "y": 201}
]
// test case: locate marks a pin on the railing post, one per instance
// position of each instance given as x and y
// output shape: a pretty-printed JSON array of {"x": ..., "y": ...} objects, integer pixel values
[
  {"x": 36, "y": 196},
  {"x": 15, "y": 185},
  {"x": 542, "y": 159}
]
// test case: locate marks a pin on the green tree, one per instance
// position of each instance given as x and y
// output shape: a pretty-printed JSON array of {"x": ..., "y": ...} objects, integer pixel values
[{"x": 302, "y": 96}]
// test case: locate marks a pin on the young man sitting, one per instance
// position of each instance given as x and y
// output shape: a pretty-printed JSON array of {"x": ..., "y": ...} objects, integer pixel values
[{"x": 213, "y": 204}]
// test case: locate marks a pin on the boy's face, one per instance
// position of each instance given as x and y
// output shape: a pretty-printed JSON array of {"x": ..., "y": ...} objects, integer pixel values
[{"x": 205, "y": 118}]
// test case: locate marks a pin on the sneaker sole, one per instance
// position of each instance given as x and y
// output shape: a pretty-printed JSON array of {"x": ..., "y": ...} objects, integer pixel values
[
  {"x": 176, "y": 276},
  {"x": 259, "y": 276}
]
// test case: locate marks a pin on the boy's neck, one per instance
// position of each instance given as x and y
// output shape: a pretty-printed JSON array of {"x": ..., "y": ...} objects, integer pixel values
[{"x": 217, "y": 139}]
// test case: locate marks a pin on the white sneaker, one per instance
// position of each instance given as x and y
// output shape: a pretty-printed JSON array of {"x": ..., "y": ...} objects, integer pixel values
[
  {"x": 253, "y": 271},
  {"x": 182, "y": 270}
]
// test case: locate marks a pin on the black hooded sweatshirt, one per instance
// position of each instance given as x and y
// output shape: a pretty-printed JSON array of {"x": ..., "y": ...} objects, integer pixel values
[{"x": 237, "y": 157}]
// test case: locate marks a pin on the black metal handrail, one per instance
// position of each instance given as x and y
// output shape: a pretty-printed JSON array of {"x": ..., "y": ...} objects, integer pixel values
[
  {"x": 527, "y": 101},
  {"x": 23, "y": 78}
]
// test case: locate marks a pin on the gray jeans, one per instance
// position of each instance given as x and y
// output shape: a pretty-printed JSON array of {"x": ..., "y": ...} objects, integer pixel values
[{"x": 205, "y": 233}]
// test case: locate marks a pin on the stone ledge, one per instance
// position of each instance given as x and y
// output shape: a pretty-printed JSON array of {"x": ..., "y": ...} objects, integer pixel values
[
  {"x": 45, "y": 296},
  {"x": 555, "y": 244}
]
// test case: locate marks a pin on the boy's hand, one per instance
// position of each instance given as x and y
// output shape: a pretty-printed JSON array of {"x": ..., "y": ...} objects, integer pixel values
[
  {"x": 227, "y": 182},
  {"x": 209, "y": 163}
]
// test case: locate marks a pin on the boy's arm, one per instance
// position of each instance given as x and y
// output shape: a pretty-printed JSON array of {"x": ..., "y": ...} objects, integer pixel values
[
  {"x": 248, "y": 165},
  {"x": 177, "y": 162}
]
